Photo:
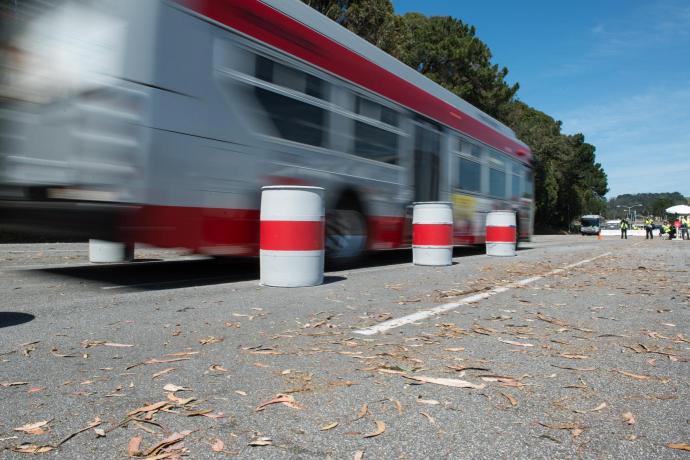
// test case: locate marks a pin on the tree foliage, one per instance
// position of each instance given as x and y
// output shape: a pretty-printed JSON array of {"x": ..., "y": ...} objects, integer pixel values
[
  {"x": 569, "y": 181},
  {"x": 649, "y": 203}
]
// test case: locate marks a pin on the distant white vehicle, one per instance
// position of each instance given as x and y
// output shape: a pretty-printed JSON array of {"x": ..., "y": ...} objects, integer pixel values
[{"x": 590, "y": 224}]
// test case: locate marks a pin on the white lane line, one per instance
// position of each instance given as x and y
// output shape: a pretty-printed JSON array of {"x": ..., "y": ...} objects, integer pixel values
[{"x": 424, "y": 314}]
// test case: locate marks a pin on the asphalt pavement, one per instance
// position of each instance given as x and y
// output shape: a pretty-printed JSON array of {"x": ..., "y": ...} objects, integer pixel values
[{"x": 575, "y": 348}]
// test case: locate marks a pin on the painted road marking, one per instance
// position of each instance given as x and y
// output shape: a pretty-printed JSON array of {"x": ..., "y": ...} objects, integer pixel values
[{"x": 424, "y": 314}]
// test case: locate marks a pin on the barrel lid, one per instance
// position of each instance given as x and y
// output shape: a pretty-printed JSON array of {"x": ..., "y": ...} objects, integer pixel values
[
  {"x": 291, "y": 187},
  {"x": 432, "y": 202}
]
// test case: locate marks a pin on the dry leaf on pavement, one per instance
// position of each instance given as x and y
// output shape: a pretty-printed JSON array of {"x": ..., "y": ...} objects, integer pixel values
[
  {"x": 261, "y": 441},
  {"x": 362, "y": 411},
  {"x": 330, "y": 426},
  {"x": 218, "y": 445},
  {"x": 679, "y": 446},
  {"x": 517, "y": 344},
  {"x": 359, "y": 455},
  {"x": 287, "y": 400},
  {"x": 173, "y": 388},
  {"x": 149, "y": 408},
  {"x": 33, "y": 428},
  {"x": 32, "y": 449},
  {"x": 446, "y": 382},
  {"x": 163, "y": 372},
  {"x": 380, "y": 428},
  {"x": 134, "y": 446},
  {"x": 631, "y": 375},
  {"x": 629, "y": 418}
]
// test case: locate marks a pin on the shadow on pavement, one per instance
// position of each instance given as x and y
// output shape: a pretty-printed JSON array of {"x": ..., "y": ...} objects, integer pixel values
[
  {"x": 152, "y": 275},
  {"x": 14, "y": 318}
]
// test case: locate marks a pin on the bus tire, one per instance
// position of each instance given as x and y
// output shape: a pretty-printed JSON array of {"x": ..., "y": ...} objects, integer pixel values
[{"x": 346, "y": 232}]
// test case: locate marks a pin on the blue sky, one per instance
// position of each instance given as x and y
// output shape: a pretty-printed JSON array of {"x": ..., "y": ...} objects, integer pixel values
[{"x": 617, "y": 70}]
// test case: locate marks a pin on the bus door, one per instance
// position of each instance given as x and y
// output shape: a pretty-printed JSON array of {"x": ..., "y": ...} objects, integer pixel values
[{"x": 427, "y": 163}]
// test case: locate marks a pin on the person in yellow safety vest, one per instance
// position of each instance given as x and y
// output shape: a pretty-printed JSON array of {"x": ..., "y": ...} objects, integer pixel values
[
  {"x": 649, "y": 227},
  {"x": 624, "y": 228},
  {"x": 666, "y": 228}
]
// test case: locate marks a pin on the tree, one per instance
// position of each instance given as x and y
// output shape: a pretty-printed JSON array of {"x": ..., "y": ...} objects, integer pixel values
[{"x": 568, "y": 180}]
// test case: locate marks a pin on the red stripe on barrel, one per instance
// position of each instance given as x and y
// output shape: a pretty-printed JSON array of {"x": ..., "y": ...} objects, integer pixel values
[
  {"x": 500, "y": 234},
  {"x": 281, "y": 235},
  {"x": 432, "y": 234}
]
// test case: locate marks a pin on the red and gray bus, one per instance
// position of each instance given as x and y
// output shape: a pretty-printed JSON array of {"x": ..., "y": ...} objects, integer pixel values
[{"x": 158, "y": 122}]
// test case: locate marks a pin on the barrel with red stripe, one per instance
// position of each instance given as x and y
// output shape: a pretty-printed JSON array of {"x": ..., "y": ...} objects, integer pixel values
[
  {"x": 292, "y": 235},
  {"x": 432, "y": 233},
  {"x": 501, "y": 235}
]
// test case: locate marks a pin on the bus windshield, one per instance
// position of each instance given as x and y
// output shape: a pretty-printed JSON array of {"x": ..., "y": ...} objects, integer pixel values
[{"x": 590, "y": 222}]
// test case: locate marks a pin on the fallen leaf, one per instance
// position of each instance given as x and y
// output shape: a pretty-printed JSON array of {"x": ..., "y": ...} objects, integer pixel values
[
  {"x": 679, "y": 446},
  {"x": 601, "y": 406},
  {"x": 149, "y": 408},
  {"x": 241, "y": 393},
  {"x": 167, "y": 442},
  {"x": 398, "y": 406},
  {"x": 117, "y": 345},
  {"x": 134, "y": 447},
  {"x": 163, "y": 372},
  {"x": 455, "y": 349},
  {"x": 511, "y": 399},
  {"x": 631, "y": 375},
  {"x": 179, "y": 401},
  {"x": 287, "y": 400},
  {"x": 456, "y": 383},
  {"x": 32, "y": 449},
  {"x": 211, "y": 340},
  {"x": 518, "y": 344},
  {"x": 12, "y": 384},
  {"x": 629, "y": 418},
  {"x": 261, "y": 441},
  {"x": 173, "y": 388},
  {"x": 362, "y": 411},
  {"x": 330, "y": 426},
  {"x": 431, "y": 402},
  {"x": 429, "y": 417},
  {"x": 217, "y": 368},
  {"x": 359, "y": 455},
  {"x": 380, "y": 428},
  {"x": 33, "y": 428},
  {"x": 218, "y": 445},
  {"x": 100, "y": 432}
]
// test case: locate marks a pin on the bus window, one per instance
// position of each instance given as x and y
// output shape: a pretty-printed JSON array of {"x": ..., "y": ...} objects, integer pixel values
[
  {"x": 470, "y": 175},
  {"x": 497, "y": 175},
  {"x": 528, "y": 184},
  {"x": 515, "y": 180},
  {"x": 426, "y": 163},
  {"x": 372, "y": 139},
  {"x": 293, "y": 118}
]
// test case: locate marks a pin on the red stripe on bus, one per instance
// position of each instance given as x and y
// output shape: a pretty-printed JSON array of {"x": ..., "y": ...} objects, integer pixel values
[
  {"x": 500, "y": 234},
  {"x": 275, "y": 28},
  {"x": 432, "y": 234},
  {"x": 283, "y": 235}
]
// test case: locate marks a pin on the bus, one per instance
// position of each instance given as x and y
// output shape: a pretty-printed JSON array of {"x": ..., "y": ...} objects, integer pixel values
[{"x": 158, "y": 122}]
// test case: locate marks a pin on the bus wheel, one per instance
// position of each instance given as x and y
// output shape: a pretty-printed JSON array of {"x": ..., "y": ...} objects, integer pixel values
[{"x": 346, "y": 236}]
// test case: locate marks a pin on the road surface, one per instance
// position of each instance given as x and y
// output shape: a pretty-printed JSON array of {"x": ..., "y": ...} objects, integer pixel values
[{"x": 577, "y": 347}]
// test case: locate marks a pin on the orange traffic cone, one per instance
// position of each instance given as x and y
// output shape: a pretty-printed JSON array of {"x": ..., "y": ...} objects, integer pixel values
[{"x": 599, "y": 236}]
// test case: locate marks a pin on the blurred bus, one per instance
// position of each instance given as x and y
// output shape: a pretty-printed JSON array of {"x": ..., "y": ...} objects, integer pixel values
[{"x": 158, "y": 122}]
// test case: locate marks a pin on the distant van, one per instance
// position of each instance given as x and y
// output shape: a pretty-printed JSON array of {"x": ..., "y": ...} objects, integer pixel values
[{"x": 590, "y": 225}]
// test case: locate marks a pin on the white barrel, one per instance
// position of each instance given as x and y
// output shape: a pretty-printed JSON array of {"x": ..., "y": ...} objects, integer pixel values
[
  {"x": 101, "y": 251},
  {"x": 432, "y": 233},
  {"x": 501, "y": 234},
  {"x": 292, "y": 236}
]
